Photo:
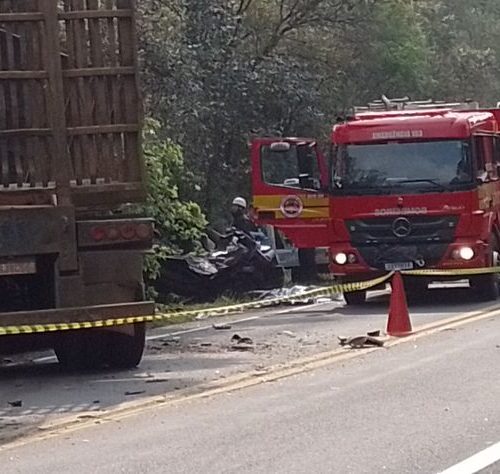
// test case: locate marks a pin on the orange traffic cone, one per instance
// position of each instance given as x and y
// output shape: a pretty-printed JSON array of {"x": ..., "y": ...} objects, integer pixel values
[{"x": 399, "y": 323}]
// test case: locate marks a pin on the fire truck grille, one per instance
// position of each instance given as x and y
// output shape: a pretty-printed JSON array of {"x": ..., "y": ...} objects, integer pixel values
[
  {"x": 402, "y": 238},
  {"x": 402, "y": 230}
]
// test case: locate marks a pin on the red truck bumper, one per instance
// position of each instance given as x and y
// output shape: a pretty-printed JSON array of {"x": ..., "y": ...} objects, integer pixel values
[{"x": 355, "y": 268}]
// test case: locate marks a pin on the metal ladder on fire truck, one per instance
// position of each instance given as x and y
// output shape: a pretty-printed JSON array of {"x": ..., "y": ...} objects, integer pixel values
[{"x": 404, "y": 103}]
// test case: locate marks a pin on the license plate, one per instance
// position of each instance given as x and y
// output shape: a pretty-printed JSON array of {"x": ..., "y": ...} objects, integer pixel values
[
  {"x": 18, "y": 267},
  {"x": 399, "y": 266}
]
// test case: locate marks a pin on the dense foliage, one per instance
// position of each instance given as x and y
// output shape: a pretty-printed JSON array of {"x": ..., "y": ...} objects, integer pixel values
[
  {"x": 217, "y": 72},
  {"x": 179, "y": 223}
]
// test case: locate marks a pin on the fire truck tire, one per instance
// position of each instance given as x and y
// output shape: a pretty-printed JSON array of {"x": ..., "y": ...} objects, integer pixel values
[
  {"x": 125, "y": 352},
  {"x": 486, "y": 287},
  {"x": 355, "y": 298},
  {"x": 307, "y": 271},
  {"x": 416, "y": 289}
]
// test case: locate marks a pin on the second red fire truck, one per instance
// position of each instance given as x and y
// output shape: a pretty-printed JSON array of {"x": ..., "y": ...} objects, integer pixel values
[{"x": 408, "y": 185}]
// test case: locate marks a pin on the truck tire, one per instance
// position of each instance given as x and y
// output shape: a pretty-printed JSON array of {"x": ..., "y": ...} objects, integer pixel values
[
  {"x": 355, "y": 298},
  {"x": 416, "y": 289},
  {"x": 125, "y": 352},
  {"x": 486, "y": 287},
  {"x": 81, "y": 350},
  {"x": 306, "y": 272},
  {"x": 90, "y": 350}
]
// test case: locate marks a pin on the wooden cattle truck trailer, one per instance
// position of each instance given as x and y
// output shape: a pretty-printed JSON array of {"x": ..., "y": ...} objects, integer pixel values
[{"x": 70, "y": 159}]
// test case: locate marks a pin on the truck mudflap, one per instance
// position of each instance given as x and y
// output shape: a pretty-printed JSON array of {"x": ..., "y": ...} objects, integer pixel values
[{"x": 85, "y": 317}]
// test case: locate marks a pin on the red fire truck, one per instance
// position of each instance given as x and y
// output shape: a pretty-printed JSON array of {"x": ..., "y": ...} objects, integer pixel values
[{"x": 409, "y": 185}]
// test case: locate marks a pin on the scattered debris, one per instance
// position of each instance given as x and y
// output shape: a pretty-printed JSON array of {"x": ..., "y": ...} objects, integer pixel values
[
  {"x": 16, "y": 403},
  {"x": 241, "y": 343},
  {"x": 241, "y": 340},
  {"x": 238, "y": 265},
  {"x": 170, "y": 340},
  {"x": 157, "y": 380},
  {"x": 96, "y": 402},
  {"x": 323, "y": 299},
  {"x": 288, "y": 333},
  {"x": 205, "y": 344},
  {"x": 87, "y": 416},
  {"x": 258, "y": 373},
  {"x": 134, "y": 392},
  {"x": 279, "y": 293},
  {"x": 221, "y": 327},
  {"x": 360, "y": 342},
  {"x": 242, "y": 347}
]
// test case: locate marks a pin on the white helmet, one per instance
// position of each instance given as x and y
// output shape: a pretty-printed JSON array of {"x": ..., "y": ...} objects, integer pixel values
[{"x": 239, "y": 201}]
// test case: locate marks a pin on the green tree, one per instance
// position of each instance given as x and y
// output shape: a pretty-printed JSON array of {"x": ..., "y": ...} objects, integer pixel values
[
  {"x": 179, "y": 223},
  {"x": 218, "y": 72}
]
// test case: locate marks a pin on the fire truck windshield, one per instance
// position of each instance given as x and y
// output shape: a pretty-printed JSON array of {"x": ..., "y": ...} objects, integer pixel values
[
  {"x": 284, "y": 167},
  {"x": 403, "y": 167}
]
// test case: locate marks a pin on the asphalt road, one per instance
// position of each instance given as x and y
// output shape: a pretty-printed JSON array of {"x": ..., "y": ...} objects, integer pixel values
[
  {"x": 185, "y": 358},
  {"x": 421, "y": 406}
]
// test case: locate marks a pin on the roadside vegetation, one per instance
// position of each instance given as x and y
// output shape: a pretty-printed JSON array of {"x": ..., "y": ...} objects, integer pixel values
[{"x": 217, "y": 73}]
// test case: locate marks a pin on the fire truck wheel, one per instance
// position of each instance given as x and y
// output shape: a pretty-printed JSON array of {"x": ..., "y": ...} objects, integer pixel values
[
  {"x": 416, "y": 289},
  {"x": 125, "y": 352},
  {"x": 486, "y": 287},
  {"x": 355, "y": 298}
]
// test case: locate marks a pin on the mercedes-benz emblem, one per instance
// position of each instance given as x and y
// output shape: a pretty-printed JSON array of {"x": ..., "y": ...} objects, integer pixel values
[{"x": 401, "y": 227}]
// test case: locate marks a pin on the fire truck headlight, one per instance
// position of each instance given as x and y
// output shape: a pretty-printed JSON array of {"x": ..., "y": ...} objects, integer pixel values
[
  {"x": 466, "y": 253},
  {"x": 340, "y": 258}
]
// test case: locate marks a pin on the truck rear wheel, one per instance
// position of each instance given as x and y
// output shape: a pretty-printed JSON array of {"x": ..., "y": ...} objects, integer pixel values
[
  {"x": 81, "y": 350},
  {"x": 87, "y": 349},
  {"x": 124, "y": 351},
  {"x": 355, "y": 298}
]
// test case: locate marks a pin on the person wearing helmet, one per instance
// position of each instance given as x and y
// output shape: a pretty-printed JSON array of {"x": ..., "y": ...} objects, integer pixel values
[{"x": 239, "y": 216}]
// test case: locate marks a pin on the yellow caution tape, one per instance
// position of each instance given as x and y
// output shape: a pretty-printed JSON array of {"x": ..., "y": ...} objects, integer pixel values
[
  {"x": 204, "y": 312},
  {"x": 223, "y": 310},
  {"x": 451, "y": 272}
]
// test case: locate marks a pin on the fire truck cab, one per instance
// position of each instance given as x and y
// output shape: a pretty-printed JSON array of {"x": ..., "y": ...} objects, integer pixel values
[{"x": 416, "y": 187}]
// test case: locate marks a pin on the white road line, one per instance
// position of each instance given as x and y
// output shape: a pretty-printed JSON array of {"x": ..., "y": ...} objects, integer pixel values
[
  {"x": 476, "y": 463},
  {"x": 303, "y": 308},
  {"x": 203, "y": 328},
  {"x": 41, "y": 360},
  {"x": 238, "y": 321}
]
